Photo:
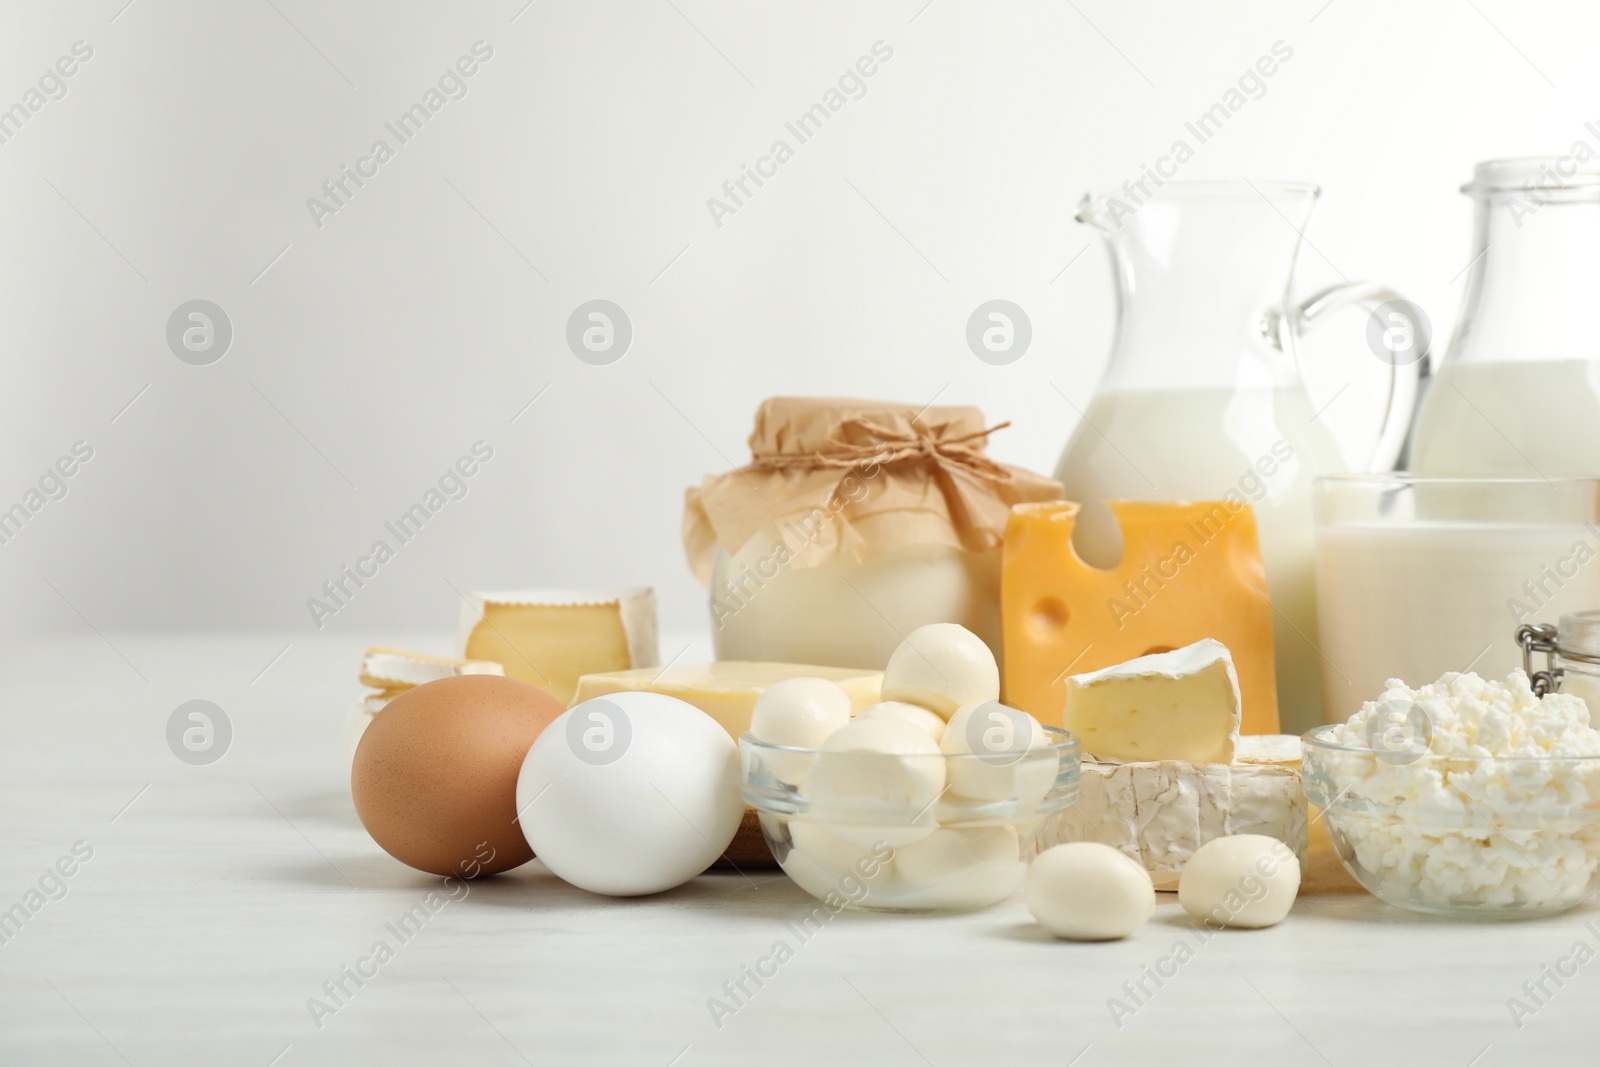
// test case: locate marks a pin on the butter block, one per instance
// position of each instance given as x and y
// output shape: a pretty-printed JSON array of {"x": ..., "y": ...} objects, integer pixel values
[
  {"x": 398, "y": 669},
  {"x": 1179, "y": 705},
  {"x": 551, "y": 638},
  {"x": 1188, "y": 571},
  {"x": 727, "y": 690},
  {"x": 1160, "y": 813}
]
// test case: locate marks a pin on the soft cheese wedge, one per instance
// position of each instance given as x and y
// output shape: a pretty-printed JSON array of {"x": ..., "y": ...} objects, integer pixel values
[
  {"x": 727, "y": 690},
  {"x": 549, "y": 638},
  {"x": 1179, "y": 705}
]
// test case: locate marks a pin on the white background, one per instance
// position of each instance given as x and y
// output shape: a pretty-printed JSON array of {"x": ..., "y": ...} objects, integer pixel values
[{"x": 373, "y": 351}]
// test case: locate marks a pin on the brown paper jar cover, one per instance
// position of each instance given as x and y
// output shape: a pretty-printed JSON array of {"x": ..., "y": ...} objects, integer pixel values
[{"x": 862, "y": 477}]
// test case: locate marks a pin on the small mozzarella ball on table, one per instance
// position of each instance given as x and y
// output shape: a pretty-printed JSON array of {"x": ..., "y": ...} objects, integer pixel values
[
  {"x": 998, "y": 764},
  {"x": 1244, "y": 880},
  {"x": 942, "y": 667},
  {"x": 876, "y": 781},
  {"x": 914, "y": 714},
  {"x": 1086, "y": 891},
  {"x": 798, "y": 713}
]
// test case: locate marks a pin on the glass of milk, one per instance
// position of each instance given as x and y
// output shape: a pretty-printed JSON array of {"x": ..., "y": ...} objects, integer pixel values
[
  {"x": 1417, "y": 576},
  {"x": 1518, "y": 392}
]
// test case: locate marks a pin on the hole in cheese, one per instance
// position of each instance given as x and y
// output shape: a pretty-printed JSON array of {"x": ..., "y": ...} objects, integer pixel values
[{"x": 1048, "y": 615}]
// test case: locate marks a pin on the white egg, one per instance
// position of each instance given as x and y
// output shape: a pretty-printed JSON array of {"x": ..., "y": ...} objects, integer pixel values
[
  {"x": 994, "y": 741},
  {"x": 912, "y": 713},
  {"x": 799, "y": 713},
  {"x": 942, "y": 667},
  {"x": 1243, "y": 880},
  {"x": 876, "y": 782},
  {"x": 630, "y": 793},
  {"x": 1086, "y": 891}
]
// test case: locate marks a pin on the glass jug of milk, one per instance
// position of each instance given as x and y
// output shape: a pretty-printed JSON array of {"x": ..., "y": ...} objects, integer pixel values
[
  {"x": 1518, "y": 392},
  {"x": 1203, "y": 399}
]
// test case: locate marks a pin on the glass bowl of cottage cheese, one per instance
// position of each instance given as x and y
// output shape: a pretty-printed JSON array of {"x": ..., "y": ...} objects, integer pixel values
[{"x": 1463, "y": 797}]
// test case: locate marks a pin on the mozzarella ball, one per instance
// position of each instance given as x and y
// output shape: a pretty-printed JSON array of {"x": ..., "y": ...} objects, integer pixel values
[
  {"x": 1245, "y": 880},
  {"x": 942, "y": 667},
  {"x": 876, "y": 782},
  {"x": 799, "y": 713},
  {"x": 630, "y": 793},
  {"x": 949, "y": 852},
  {"x": 911, "y": 713},
  {"x": 847, "y": 865},
  {"x": 810, "y": 875},
  {"x": 976, "y": 887},
  {"x": 959, "y": 869},
  {"x": 999, "y": 766},
  {"x": 1086, "y": 891}
]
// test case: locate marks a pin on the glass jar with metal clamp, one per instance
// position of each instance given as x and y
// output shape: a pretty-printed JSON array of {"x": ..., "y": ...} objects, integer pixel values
[{"x": 1572, "y": 656}]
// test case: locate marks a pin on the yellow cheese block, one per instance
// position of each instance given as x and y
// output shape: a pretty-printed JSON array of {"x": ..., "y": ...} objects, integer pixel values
[
  {"x": 550, "y": 639},
  {"x": 1188, "y": 572},
  {"x": 727, "y": 691}
]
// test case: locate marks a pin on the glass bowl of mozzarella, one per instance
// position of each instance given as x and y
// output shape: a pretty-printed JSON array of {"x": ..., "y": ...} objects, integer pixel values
[
  {"x": 877, "y": 818},
  {"x": 1466, "y": 797}
]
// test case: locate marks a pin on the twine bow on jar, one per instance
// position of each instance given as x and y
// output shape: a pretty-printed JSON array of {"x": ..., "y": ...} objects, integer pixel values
[{"x": 863, "y": 443}]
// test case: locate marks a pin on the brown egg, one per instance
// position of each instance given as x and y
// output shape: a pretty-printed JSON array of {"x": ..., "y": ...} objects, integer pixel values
[{"x": 435, "y": 775}]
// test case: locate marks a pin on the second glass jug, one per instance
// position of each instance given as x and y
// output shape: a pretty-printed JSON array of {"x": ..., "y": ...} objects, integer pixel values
[
  {"x": 1518, "y": 392},
  {"x": 1203, "y": 397}
]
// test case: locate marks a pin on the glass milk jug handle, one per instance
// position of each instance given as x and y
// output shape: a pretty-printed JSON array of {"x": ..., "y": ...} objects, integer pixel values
[{"x": 1398, "y": 335}]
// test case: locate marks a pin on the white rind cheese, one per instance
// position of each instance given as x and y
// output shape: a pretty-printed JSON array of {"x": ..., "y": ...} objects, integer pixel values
[
  {"x": 1178, "y": 705},
  {"x": 1159, "y": 813},
  {"x": 635, "y": 606},
  {"x": 549, "y": 638}
]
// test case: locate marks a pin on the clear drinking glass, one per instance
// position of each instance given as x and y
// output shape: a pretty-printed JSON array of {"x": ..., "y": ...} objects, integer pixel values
[
  {"x": 1203, "y": 395},
  {"x": 1418, "y": 576},
  {"x": 1518, "y": 391}
]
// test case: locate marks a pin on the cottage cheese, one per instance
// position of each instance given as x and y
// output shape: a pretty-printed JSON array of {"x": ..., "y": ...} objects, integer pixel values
[{"x": 1479, "y": 813}]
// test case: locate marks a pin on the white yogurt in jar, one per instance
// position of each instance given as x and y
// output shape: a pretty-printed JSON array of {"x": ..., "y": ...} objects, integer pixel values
[{"x": 846, "y": 612}]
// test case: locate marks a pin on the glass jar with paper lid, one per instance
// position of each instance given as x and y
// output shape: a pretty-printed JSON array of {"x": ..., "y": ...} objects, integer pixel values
[{"x": 855, "y": 522}]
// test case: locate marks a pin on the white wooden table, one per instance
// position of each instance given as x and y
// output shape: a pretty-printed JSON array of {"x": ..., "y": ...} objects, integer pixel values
[{"x": 219, "y": 899}]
